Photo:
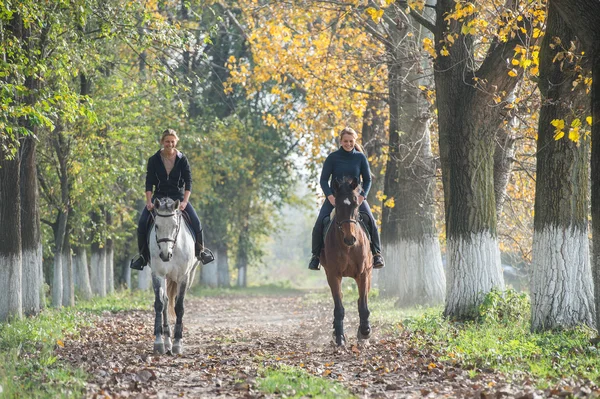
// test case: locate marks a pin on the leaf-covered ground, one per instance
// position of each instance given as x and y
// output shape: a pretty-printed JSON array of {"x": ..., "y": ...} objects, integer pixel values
[{"x": 232, "y": 342}]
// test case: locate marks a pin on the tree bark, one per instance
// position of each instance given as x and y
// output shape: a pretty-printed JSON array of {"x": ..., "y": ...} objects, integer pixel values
[
  {"x": 373, "y": 139},
  {"x": 561, "y": 282},
  {"x": 33, "y": 279},
  {"x": 468, "y": 120},
  {"x": 11, "y": 304},
  {"x": 68, "y": 277},
  {"x": 209, "y": 276},
  {"x": 82, "y": 275},
  {"x": 414, "y": 272},
  {"x": 241, "y": 261},
  {"x": 110, "y": 252},
  {"x": 98, "y": 269}
]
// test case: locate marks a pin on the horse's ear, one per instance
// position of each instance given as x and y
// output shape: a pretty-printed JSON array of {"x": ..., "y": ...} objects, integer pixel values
[
  {"x": 335, "y": 185},
  {"x": 354, "y": 183},
  {"x": 176, "y": 205},
  {"x": 156, "y": 203}
]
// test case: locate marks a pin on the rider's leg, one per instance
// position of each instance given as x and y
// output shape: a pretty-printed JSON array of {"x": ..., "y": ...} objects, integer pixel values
[
  {"x": 317, "y": 235},
  {"x": 143, "y": 256},
  {"x": 378, "y": 262},
  {"x": 197, "y": 227}
]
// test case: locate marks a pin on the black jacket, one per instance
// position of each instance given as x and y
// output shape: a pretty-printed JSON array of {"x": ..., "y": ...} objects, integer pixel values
[{"x": 173, "y": 185}]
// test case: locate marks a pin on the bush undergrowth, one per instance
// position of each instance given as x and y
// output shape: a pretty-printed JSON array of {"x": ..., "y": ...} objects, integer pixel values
[{"x": 501, "y": 340}]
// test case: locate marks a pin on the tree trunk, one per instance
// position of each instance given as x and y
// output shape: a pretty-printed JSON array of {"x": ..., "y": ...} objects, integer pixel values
[
  {"x": 224, "y": 279},
  {"x": 468, "y": 120},
  {"x": 98, "y": 269},
  {"x": 59, "y": 238},
  {"x": 504, "y": 155},
  {"x": 373, "y": 139},
  {"x": 145, "y": 279},
  {"x": 241, "y": 261},
  {"x": 110, "y": 267},
  {"x": 82, "y": 275},
  {"x": 209, "y": 273},
  {"x": 68, "y": 277},
  {"x": 561, "y": 281},
  {"x": 33, "y": 279},
  {"x": 11, "y": 304},
  {"x": 414, "y": 272},
  {"x": 595, "y": 162}
]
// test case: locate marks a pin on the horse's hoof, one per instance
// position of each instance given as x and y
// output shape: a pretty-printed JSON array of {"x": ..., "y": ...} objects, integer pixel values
[
  {"x": 177, "y": 349},
  {"x": 363, "y": 335},
  {"x": 159, "y": 348},
  {"x": 340, "y": 341}
]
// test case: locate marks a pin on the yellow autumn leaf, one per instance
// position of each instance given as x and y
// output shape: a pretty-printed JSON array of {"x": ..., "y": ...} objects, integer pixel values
[
  {"x": 559, "y": 124},
  {"x": 589, "y": 120},
  {"x": 559, "y": 135},
  {"x": 375, "y": 14},
  {"x": 60, "y": 343},
  {"x": 574, "y": 135},
  {"x": 512, "y": 73},
  {"x": 389, "y": 203},
  {"x": 515, "y": 61},
  {"x": 575, "y": 122},
  {"x": 534, "y": 71},
  {"x": 444, "y": 51}
]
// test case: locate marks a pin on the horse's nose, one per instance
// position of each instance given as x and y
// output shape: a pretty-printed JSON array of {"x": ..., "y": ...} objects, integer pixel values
[
  {"x": 165, "y": 258},
  {"x": 349, "y": 241}
]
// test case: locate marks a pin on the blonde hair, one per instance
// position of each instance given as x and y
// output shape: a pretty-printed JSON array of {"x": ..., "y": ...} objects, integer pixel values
[
  {"x": 352, "y": 132},
  {"x": 169, "y": 132}
]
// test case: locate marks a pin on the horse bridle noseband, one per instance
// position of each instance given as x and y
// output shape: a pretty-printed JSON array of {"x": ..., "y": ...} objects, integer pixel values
[{"x": 173, "y": 240}]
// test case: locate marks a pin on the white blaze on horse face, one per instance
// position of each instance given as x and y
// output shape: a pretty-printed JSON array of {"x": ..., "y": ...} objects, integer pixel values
[{"x": 347, "y": 201}]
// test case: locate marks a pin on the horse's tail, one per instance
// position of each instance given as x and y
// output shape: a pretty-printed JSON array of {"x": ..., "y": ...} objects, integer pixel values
[{"x": 172, "y": 295}]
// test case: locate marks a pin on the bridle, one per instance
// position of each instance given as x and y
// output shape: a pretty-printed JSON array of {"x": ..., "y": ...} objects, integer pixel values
[
  {"x": 341, "y": 222},
  {"x": 167, "y": 239}
]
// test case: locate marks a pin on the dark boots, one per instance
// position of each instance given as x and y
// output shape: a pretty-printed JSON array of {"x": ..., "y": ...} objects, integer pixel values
[
  {"x": 203, "y": 254},
  {"x": 141, "y": 260},
  {"x": 314, "y": 263}
]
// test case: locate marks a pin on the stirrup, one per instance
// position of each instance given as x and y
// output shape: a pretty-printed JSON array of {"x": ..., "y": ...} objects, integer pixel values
[
  {"x": 138, "y": 262},
  {"x": 378, "y": 262},
  {"x": 206, "y": 256}
]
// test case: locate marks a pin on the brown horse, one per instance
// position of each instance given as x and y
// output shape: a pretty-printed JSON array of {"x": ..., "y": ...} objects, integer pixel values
[{"x": 347, "y": 253}]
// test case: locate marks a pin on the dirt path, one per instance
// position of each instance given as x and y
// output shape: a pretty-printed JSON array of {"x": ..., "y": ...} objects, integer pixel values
[{"x": 229, "y": 340}]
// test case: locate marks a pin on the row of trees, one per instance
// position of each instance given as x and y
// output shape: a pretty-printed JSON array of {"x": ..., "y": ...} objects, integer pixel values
[
  {"x": 446, "y": 87},
  {"x": 87, "y": 88},
  {"x": 486, "y": 59}
]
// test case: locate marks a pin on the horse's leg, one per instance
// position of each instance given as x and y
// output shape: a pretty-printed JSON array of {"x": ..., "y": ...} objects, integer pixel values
[
  {"x": 166, "y": 326},
  {"x": 159, "y": 306},
  {"x": 364, "y": 285},
  {"x": 335, "y": 283},
  {"x": 178, "y": 345}
]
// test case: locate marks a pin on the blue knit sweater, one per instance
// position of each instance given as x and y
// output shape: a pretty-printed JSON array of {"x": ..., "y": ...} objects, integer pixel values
[{"x": 342, "y": 163}]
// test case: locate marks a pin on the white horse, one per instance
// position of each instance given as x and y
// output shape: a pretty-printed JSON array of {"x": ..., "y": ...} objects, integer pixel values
[{"x": 172, "y": 260}]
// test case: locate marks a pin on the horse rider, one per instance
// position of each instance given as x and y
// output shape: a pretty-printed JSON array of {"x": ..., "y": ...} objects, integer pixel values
[
  {"x": 168, "y": 173},
  {"x": 348, "y": 161}
]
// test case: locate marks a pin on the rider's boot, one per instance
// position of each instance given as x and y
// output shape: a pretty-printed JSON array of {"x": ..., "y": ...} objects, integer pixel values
[
  {"x": 316, "y": 247},
  {"x": 378, "y": 262},
  {"x": 203, "y": 254},
  {"x": 141, "y": 260}
]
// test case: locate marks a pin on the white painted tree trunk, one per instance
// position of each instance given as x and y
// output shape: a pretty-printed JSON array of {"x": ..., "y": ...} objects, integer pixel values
[
  {"x": 68, "y": 283},
  {"x": 562, "y": 293},
  {"x": 110, "y": 270},
  {"x": 417, "y": 277},
  {"x": 98, "y": 271},
  {"x": 242, "y": 276},
  {"x": 473, "y": 271},
  {"x": 145, "y": 279},
  {"x": 82, "y": 275},
  {"x": 209, "y": 274},
  {"x": 10, "y": 286},
  {"x": 57, "y": 281},
  {"x": 33, "y": 280}
]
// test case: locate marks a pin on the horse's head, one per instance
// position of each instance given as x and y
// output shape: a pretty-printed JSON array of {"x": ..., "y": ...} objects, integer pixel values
[
  {"x": 166, "y": 225},
  {"x": 346, "y": 194}
]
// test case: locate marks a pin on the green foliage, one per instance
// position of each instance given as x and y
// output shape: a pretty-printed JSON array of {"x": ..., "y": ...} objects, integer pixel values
[
  {"x": 292, "y": 382},
  {"x": 504, "y": 306},
  {"x": 502, "y": 341}
]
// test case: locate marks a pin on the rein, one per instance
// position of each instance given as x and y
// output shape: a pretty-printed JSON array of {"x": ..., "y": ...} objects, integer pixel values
[
  {"x": 340, "y": 223},
  {"x": 173, "y": 240}
]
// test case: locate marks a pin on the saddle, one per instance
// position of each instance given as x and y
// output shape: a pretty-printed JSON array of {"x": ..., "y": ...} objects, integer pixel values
[{"x": 363, "y": 221}]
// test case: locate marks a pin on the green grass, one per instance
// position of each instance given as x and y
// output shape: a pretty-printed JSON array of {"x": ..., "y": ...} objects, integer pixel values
[
  {"x": 501, "y": 340},
  {"x": 28, "y": 364},
  {"x": 293, "y": 382}
]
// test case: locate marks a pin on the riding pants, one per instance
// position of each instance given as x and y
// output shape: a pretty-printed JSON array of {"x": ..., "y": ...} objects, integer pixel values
[{"x": 326, "y": 208}]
